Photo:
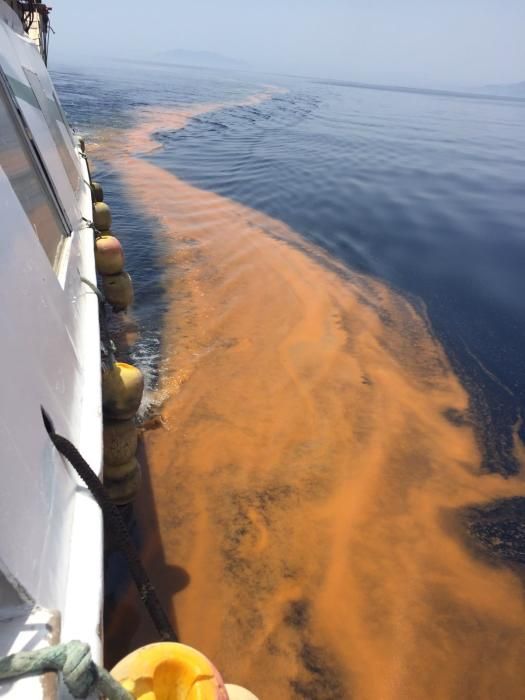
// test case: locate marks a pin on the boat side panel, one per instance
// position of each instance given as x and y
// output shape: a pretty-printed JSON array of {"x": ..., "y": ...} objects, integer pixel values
[
  {"x": 84, "y": 594},
  {"x": 51, "y": 542},
  {"x": 50, "y": 527},
  {"x": 43, "y": 369}
]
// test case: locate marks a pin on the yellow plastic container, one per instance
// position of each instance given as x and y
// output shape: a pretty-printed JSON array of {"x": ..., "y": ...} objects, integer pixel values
[{"x": 169, "y": 671}]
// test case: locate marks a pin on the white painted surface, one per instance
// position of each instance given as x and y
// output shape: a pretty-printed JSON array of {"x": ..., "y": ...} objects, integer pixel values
[
  {"x": 28, "y": 630},
  {"x": 50, "y": 527}
]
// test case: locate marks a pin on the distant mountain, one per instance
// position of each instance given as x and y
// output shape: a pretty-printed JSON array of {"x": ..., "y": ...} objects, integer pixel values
[
  {"x": 205, "y": 59},
  {"x": 509, "y": 90}
]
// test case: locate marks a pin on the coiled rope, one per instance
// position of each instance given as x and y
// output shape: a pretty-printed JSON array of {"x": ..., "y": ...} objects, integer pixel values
[{"x": 80, "y": 673}]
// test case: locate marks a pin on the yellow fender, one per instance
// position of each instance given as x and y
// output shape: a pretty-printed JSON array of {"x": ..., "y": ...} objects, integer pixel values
[
  {"x": 109, "y": 256},
  {"x": 118, "y": 290},
  {"x": 122, "y": 472},
  {"x": 169, "y": 671},
  {"x": 123, "y": 491},
  {"x": 101, "y": 216},
  {"x": 120, "y": 441},
  {"x": 122, "y": 389},
  {"x": 97, "y": 191}
]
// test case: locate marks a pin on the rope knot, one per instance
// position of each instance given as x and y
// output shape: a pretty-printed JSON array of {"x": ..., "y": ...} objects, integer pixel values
[{"x": 79, "y": 672}]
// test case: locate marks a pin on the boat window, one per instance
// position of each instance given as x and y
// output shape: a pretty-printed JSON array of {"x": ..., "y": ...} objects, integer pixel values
[
  {"x": 53, "y": 117},
  {"x": 64, "y": 120},
  {"x": 19, "y": 166}
]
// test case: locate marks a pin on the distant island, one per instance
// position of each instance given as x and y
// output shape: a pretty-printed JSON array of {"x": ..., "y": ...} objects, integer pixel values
[
  {"x": 203, "y": 59},
  {"x": 509, "y": 90}
]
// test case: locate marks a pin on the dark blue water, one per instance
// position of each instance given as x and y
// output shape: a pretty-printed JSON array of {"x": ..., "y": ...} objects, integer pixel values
[
  {"x": 425, "y": 191},
  {"x": 93, "y": 104}
]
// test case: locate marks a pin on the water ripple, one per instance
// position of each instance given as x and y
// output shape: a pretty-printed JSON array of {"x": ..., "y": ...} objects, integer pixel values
[{"x": 420, "y": 189}]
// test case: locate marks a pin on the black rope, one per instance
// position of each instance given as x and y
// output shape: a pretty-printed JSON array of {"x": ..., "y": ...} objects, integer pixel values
[{"x": 140, "y": 577}]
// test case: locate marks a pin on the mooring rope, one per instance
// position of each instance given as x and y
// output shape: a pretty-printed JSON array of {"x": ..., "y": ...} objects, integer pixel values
[
  {"x": 145, "y": 588},
  {"x": 106, "y": 338},
  {"x": 81, "y": 674}
]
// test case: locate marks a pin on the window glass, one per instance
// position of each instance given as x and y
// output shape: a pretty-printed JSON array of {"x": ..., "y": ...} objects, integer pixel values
[
  {"x": 52, "y": 115},
  {"x": 25, "y": 180}
]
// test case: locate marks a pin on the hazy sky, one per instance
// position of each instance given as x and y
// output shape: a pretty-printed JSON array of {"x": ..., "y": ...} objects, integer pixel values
[{"x": 420, "y": 42}]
